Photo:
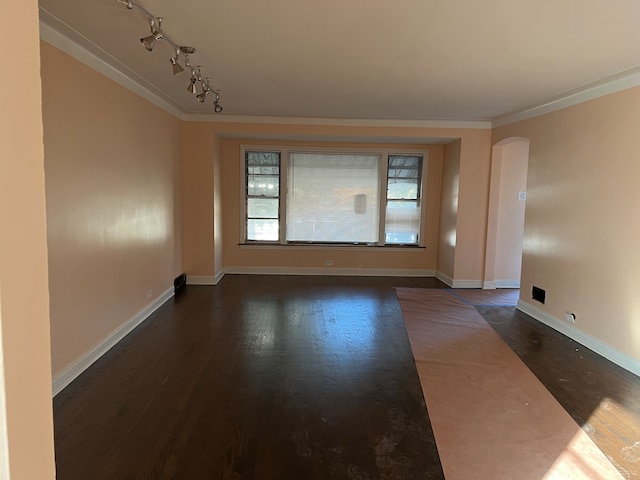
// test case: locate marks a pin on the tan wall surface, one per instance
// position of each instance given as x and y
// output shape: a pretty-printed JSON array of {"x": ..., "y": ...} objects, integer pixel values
[
  {"x": 473, "y": 204},
  {"x": 449, "y": 209},
  {"x": 198, "y": 152},
  {"x": 26, "y": 422},
  {"x": 112, "y": 180},
  {"x": 218, "y": 210},
  {"x": 582, "y": 227}
]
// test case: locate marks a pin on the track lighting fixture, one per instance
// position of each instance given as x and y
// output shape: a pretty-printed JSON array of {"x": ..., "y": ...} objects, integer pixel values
[{"x": 157, "y": 34}]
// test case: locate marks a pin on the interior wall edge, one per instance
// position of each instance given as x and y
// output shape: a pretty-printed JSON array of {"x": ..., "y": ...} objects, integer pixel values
[
  {"x": 582, "y": 338},
  {"x": 70, "y": 373}
]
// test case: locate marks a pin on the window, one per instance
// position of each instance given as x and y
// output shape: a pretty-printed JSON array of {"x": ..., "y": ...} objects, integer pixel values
[
  {"x": 352, "y": 197},
  {"x": 402, "y": 222},
  {"x": 262, "y": 189},
  {"x": 332, "y": 198}
]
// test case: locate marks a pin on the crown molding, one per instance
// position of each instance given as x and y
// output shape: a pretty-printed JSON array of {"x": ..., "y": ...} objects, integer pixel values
[
  {"x": 335, "y": 121},
  {"x": 615, "y": 83},
  {"x": 64, "y": 38}
]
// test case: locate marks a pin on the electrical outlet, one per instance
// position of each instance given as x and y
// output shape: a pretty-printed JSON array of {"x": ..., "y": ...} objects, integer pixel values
[
  {"x": 570, "y": 317},
  {"x": 149, "y": 293}
]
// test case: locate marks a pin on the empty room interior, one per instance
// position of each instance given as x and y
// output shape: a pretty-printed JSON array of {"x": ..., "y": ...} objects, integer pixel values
[{"x": 320, "y": 240}]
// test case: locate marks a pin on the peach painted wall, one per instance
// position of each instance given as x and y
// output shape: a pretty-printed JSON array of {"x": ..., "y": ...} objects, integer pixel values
[
  {"x": 473, "y": 204},
  {"x": 449, "y": 209},
  {"x": 198, "y": 153},
  {"x": 26, "y": 421},
  {"x": 112, "y": 186},
  {"x": 582, "y": 227},
  {"x": 218, "y": 210},
  {"x": 200, "y": 157}
]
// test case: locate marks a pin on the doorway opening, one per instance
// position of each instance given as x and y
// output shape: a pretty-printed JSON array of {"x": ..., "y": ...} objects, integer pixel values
[{"x": 506, "y": 216}]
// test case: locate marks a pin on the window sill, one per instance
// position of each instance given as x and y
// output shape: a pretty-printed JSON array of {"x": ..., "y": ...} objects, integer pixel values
[{"x": 329, "y": 246}]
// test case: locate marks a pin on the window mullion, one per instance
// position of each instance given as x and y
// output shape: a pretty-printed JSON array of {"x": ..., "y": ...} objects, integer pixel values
[
  {"x": 382, "y": 207},
  {"x": 284, "y": 190}
]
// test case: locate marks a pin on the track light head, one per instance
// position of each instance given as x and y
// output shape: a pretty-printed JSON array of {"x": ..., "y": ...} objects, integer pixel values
[
  {"x": 150, "y": 41},
  {"x": 203, "y": 96},
  {"x": 177, "y": 68},
  {"x": 191, "y": 88},
  {"x": 206, "y": 89},
  {"x": 216, "y": 103}
]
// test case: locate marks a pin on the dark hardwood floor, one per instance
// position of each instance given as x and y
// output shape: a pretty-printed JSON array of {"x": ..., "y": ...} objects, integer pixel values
[
  {"x": 282, "y": 377},
  {"x": 256, "y": 378}
]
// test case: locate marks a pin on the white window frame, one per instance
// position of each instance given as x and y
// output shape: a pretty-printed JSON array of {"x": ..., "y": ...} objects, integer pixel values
[{"x": 383, "y": 166}]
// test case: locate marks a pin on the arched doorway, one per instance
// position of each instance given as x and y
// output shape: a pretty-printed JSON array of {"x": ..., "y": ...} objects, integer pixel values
[{"x": 505, "y": 223}]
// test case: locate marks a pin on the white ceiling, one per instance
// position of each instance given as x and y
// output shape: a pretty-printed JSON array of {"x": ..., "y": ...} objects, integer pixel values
[{"x": 373, "y": 59}]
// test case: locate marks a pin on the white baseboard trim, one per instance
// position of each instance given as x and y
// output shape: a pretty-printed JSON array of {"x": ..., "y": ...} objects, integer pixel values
[
  {"x": 364, "y": 272},
  {"x": 582, "y": 338},
  {"x": 507, "y": 283},
  {"x": 489, "y": 285},
  {"x": 70, "y": 373},
  {"x": 201, "y": 280},
  {"x": 443, "y": 277},
  {"x": 219, "y": 276},
  {"x": 467, "y": 284}
]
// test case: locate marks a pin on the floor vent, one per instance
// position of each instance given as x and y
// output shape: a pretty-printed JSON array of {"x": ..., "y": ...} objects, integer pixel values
[
  {"x": 537, "y": 294},
  {"x": 180, "y": 283}
]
